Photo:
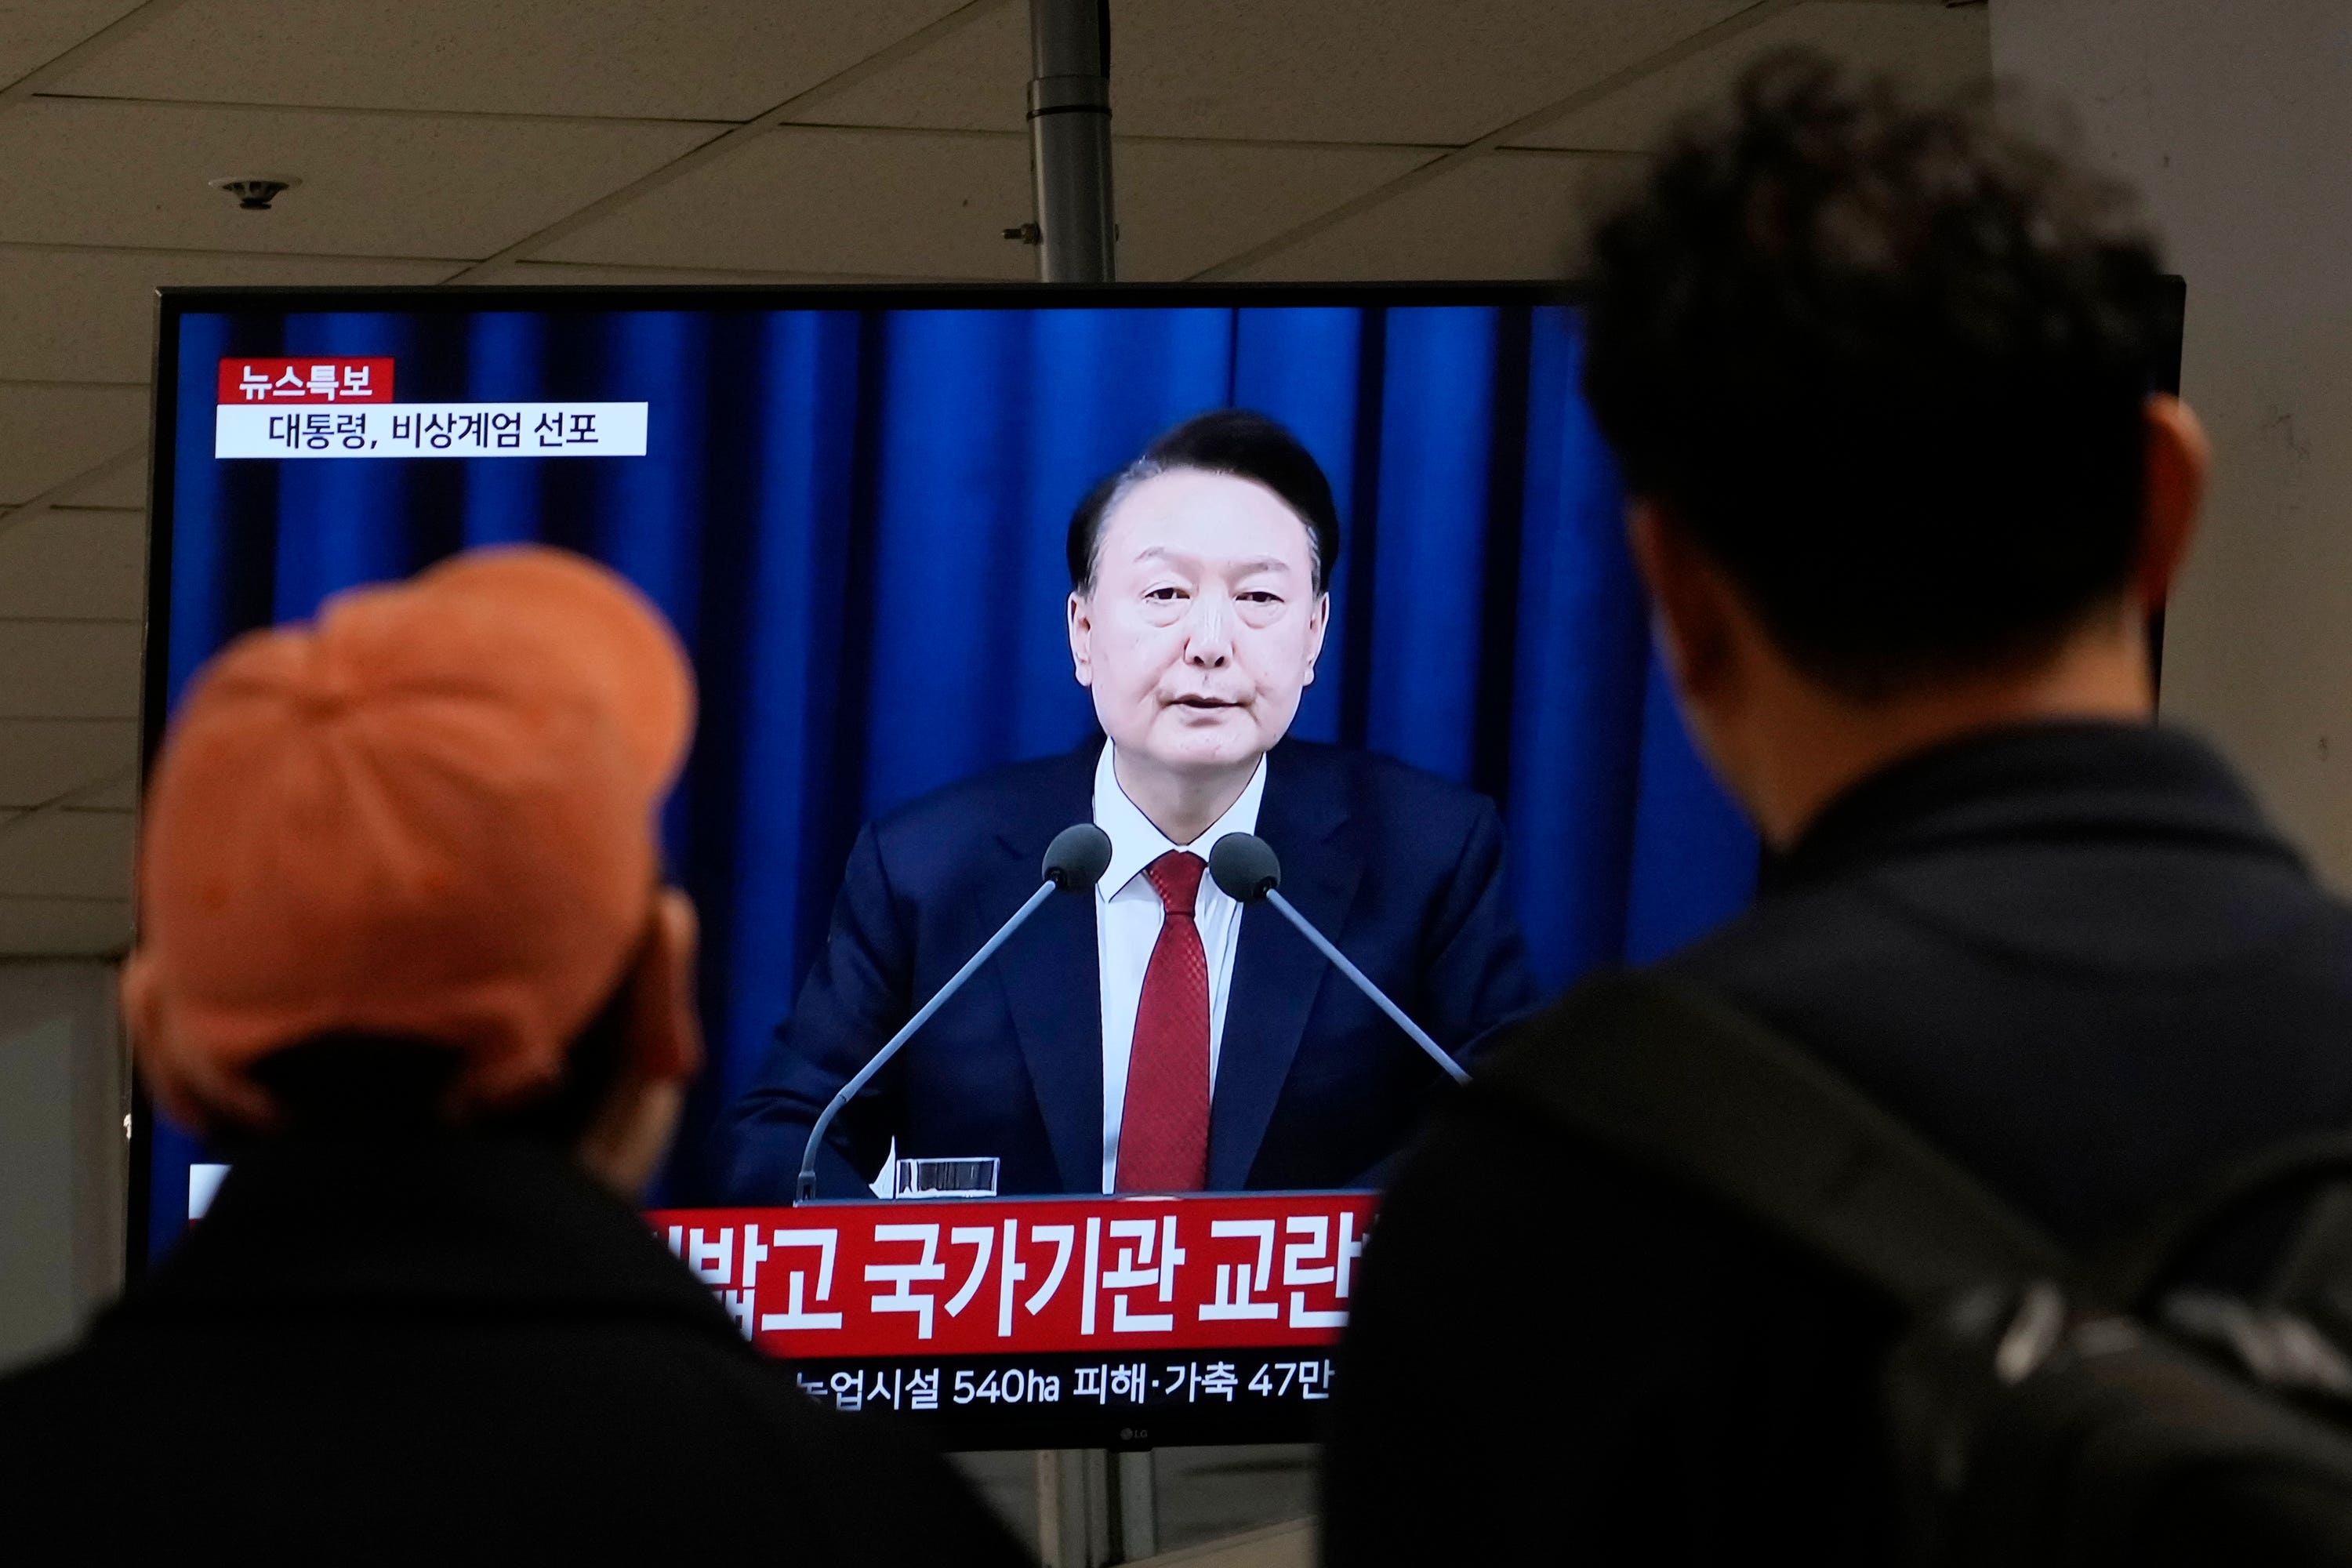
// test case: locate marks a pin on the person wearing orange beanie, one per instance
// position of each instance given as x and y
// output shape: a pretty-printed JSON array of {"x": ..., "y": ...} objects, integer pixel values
[{"x": 406, "y": 957}]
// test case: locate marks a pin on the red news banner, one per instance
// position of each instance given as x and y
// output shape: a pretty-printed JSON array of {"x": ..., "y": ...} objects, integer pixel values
[
  {"x": 1030, "y": 1275},
  {"x": 313, "y": 380}
]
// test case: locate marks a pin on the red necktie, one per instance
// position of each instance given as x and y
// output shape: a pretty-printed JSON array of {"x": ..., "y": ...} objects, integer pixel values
[{"x": 1163, "y": 1133}]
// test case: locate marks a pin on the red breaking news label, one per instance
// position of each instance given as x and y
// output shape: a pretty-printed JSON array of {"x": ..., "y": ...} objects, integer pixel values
[
  {"x": 1030, "y": 1275},
  {"x": 306, "y": 379}
]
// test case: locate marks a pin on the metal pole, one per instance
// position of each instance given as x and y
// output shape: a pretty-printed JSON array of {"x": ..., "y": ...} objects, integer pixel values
[
  {"x": 1137, "y": 1504},
  {"x": 1069, "y": 166},
  {"x": 1069, "y": 139},
  {"x": 1064, "y": 1539}
]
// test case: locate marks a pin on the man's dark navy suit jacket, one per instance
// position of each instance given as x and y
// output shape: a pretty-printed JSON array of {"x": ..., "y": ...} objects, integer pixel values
[{"x": 1314, "y": 1087}]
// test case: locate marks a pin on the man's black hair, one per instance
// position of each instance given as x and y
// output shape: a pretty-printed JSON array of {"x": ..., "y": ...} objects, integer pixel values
[
  {"x": 1887, "y": 364},
  {"x": 1234, "y": 441}
]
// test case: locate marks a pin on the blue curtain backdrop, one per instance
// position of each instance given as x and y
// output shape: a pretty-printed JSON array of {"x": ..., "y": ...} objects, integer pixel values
[{"x": 855, "y": 518}]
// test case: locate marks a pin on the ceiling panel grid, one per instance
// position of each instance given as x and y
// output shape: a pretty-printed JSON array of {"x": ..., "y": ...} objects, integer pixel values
[{"x": 610, "y": 142}]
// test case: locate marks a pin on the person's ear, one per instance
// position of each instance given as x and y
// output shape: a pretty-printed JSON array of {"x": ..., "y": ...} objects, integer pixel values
[
  {"x": 623, "y": 1146},
  {"x": 1688, "y": 602},
  {"x": 1318, "y": 621},
  {"x": 667, "y": 1025},
  {"x": 1081, "y": 638},
  {"x": 2178, "y": 459}
]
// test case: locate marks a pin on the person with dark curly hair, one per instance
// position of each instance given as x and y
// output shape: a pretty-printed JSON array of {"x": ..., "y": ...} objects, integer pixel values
[{"x": 1884, "y": 382}]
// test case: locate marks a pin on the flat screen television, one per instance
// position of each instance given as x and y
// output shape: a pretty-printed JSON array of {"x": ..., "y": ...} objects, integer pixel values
[{"x": 855, "y": 505}]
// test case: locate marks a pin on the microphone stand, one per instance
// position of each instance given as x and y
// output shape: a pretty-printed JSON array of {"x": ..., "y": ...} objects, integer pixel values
[
  {"x": 1419, "y": 1035},
  {"x": 808, "y": 1185}
]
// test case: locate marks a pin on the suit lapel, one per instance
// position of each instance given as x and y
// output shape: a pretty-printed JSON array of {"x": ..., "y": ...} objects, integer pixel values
[
  {"x": 1053, "y": 983},
  {"x": 1277, "y": 974}
]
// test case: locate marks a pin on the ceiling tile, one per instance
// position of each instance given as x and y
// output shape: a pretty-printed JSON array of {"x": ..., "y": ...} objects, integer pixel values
[
  {"x": 63, "y": 928},
  {"x": 1935, "y": 49},
  {"x": 80, "y": 566},
  {"x": 711, "y": 60},
  {"x": 1178, "y": 206},
  {"x": 66, "y": 854},
  {"x": 41, "y": 759},
  {"x": 49, "y": 433},
  {"x": 70, "y": 669},
  {"x": 1317, "y": 70},
  {"x": 33, "y": 34},
  {"x": 118, "y": 489},
  {"x": 75, "y": 171},
  {"x": 1504, "y": 215},
  {"x": 119, "y": 793},
  {"x": 898, "y": 202},
  {"x": 72, "y": 314},
  {"x": 975, "y": 79}
]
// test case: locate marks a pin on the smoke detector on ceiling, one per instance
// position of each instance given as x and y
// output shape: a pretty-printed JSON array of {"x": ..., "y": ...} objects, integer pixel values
[{"x": 254, "y": 193}]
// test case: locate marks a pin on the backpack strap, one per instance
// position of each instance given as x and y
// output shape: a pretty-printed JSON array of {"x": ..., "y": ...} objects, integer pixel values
[
  {"x": 1674, "y": 1080},
  {"x": 2316, "y": 1281},
  {"x": 2133, "y": 1269}
]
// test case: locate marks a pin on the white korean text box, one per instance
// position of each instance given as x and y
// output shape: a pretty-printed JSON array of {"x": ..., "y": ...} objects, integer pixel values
[{"x": 431, "y": 430}]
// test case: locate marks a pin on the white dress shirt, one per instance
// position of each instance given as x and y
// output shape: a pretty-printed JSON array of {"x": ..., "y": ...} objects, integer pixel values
[{"x": 1128, "y": 917}]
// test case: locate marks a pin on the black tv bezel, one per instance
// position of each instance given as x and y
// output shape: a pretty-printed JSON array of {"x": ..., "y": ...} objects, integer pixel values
[{"x": 173, "y": 304}]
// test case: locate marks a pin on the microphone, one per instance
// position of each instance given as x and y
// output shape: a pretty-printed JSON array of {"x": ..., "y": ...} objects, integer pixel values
[
  {"x": 1245, "y": 867},
  {"x": 1074, "y": 862}
]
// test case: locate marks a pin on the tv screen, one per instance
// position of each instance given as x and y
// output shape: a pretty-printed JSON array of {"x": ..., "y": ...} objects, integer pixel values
[{"x": 1340, "y": 569}]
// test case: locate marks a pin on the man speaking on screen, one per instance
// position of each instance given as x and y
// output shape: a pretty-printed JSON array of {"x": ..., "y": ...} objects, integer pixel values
[{"x": 1156, "y": 1036}]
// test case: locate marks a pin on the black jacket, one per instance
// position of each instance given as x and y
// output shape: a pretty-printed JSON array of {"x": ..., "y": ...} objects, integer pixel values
[
  {"x": 2072, "y": 955},
  {"x": 1315, "y": 1087},
  {"x": 446, "y": 1349}
]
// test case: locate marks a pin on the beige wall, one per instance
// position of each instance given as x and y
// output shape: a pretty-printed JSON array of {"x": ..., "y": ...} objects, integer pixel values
[
  {"x": 62, "y": 1164},
  {"x": 2235, "y": 117}
]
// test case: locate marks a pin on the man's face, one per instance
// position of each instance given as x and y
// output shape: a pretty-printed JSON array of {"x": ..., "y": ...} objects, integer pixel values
[{"x": 1204, "y": 623}]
